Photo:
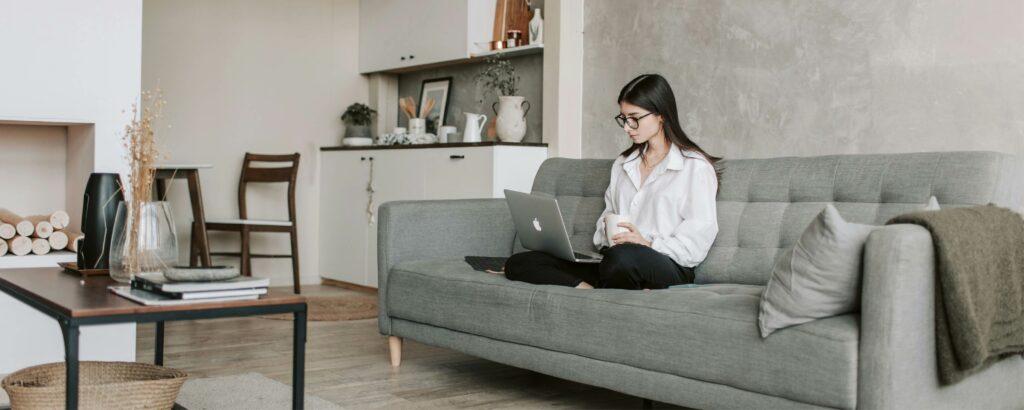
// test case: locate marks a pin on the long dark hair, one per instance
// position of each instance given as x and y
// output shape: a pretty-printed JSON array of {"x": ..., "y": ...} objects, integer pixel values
[{"x": 652, "y": 93}]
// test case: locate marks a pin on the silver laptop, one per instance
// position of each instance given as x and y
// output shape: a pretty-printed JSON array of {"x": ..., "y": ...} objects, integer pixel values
[{"x": 541, "y": 228}]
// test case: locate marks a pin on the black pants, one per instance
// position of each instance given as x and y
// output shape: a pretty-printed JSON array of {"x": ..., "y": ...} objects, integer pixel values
[{"x": 625, "y": 266}]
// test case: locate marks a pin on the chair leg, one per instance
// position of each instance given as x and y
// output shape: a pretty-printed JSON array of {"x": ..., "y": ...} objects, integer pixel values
[
  {"x": 193, "y": 255},
  {"x": 245, "y": 259},
  {"x": 395, "y": 347},
  {"x": 195, "y": 193},
  {"x": 295, "y": 260}
]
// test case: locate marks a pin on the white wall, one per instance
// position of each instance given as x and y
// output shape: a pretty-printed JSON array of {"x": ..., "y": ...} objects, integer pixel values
[
  {"x": 67, "y": 61},
  {"x": 563, "y": 77},
  {"x": 75, "y": 61},
  {"x": 39, "y": 152},
  {"x": 263, "y": 76}
]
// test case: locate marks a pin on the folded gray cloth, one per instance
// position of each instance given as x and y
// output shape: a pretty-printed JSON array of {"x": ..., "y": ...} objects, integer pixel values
[{"x": 979, "y": 304}]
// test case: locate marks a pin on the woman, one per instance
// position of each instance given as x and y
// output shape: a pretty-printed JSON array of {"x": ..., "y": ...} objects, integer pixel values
[{"x": 665, "y": 183}]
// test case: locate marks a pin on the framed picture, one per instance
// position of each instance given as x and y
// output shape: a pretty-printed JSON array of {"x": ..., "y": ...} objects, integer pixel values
[{"x": 437, "y": 90}]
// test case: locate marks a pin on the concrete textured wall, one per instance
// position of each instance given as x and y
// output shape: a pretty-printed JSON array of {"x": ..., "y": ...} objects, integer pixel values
[{"x": 764, "y": 78}]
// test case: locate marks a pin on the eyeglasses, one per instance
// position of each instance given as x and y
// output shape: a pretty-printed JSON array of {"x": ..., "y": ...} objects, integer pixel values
[{"x": 632, "y": 122}]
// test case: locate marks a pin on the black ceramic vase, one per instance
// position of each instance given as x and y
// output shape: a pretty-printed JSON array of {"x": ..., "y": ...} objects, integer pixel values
[{"x": 102, "y": 194}]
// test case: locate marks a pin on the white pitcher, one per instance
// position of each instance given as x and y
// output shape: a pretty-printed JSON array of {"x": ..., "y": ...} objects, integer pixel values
[
  {"x": 511, "y": 122},
  {"x": 474, "y": 126}
]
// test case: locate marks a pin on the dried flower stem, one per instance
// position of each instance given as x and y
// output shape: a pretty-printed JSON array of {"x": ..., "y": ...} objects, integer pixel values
[{"x": 140, "y": 145}]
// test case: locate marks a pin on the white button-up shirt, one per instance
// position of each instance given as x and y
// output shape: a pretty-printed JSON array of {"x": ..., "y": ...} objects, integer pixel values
[{"x": 674, "y": 209}]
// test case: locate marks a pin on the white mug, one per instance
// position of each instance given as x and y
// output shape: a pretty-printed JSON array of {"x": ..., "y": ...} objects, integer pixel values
[
  {"x": 474, "y": 126},
  {"x": 417, "y": 126},
  {"x": 398, "y": 130},
  {"x": 611, "y": 226},
  {"x": 442, "y": 134}
]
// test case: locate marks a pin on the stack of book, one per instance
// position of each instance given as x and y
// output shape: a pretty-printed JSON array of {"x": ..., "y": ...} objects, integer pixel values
[{"x": 154, "y": 289}]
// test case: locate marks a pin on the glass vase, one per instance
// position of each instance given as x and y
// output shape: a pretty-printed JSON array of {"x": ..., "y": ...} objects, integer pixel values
[{"x": 144, "y": 240}]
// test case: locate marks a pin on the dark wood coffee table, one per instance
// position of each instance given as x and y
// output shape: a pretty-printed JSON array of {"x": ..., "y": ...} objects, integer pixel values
[{"x": 74, "y": 302}]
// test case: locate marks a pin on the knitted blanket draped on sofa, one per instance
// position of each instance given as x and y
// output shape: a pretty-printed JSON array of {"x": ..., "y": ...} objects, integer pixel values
[{"x": 979, "y": 304}]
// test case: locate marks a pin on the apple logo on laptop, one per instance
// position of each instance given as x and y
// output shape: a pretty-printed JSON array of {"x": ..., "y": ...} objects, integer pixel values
[{"x": 536, "y": 224}]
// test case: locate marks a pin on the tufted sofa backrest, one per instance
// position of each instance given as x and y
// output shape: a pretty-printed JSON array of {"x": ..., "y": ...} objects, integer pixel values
[{"x": 764, "y": 204}]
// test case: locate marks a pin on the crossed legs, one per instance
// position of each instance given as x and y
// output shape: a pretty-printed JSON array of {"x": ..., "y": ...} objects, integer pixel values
[{"x": 625, "y": 266}]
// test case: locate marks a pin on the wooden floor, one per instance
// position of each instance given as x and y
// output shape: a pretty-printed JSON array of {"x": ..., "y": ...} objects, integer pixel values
[{"x": 347, "y": 363}]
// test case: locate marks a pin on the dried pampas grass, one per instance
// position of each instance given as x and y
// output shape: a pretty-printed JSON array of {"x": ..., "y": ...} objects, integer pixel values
[{"x": 142, "y": 155}]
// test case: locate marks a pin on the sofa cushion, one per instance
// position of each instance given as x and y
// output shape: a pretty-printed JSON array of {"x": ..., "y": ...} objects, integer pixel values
[
  {"x": 706, "y": 333},
  {"x": 818, "y": 277}
]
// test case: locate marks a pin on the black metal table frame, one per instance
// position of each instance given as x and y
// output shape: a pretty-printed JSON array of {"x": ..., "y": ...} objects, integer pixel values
[{"x": 69, "y": 327}]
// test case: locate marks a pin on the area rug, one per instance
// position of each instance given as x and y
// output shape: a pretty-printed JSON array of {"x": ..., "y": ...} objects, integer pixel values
[
  {"x": 334, "y": 308},
  {"x": 249, "y": 391}
]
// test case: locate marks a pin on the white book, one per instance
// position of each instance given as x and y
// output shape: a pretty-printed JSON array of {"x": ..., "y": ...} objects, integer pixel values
[
  {"x": 157, "y": 280},
  {"x": 153, "y": 299},
  {"x": 223, "y": 293}
]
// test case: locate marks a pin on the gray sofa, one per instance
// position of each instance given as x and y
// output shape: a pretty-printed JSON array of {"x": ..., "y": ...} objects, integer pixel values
[{"x": 700, "y": 347}]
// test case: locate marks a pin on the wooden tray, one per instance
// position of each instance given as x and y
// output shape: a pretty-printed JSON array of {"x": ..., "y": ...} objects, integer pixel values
[{"x": 72, "y": 267}]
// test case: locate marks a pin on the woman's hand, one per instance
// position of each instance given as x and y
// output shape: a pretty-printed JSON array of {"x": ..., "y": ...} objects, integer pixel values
[{"x": 633, "y": 236}]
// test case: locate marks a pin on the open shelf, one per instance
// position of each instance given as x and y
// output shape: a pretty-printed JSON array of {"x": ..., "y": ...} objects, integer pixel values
[
  {"x": 511, "y": 52},
  {"x": 473, "y": 58},
  {"x": 49, "y": 260}
]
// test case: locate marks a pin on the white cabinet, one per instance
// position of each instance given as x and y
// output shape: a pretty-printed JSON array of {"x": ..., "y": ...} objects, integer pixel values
[
  {"x": 448, "y": 177},
  {"x": 397, "y": 175},
  {"x": 399, "y": 34},
  {"x": 348, "y": 242},
  {"x": 344, "y": 175}
]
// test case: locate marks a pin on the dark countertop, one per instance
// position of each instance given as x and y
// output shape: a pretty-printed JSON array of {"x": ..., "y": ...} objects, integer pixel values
[{"x": 439, "y": 145}]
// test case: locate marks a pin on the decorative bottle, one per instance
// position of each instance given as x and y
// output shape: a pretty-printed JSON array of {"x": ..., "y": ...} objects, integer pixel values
[{"x": 536, "y": 28}]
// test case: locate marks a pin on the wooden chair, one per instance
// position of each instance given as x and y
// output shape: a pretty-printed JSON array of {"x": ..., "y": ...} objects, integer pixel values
[{"x": 246, "y": 226}]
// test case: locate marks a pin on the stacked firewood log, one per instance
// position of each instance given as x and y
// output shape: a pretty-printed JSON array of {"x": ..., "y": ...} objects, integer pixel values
[{"x": 36, "y": 234}]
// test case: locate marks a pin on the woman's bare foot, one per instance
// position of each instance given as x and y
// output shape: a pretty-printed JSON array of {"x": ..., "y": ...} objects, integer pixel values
[{"x": 584, "y": 285}]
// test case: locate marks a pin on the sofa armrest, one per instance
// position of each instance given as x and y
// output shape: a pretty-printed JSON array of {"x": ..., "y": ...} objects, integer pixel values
[
  {"x": 409, "y": 230},
  {"x": 897, "y": 360}
]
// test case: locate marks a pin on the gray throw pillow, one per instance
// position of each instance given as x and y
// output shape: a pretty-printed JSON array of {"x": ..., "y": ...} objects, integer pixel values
[{"x": 820, "y": 275}]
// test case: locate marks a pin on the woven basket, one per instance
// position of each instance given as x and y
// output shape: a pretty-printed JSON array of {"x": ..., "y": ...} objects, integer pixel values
[{"x": 102, "y": 385}]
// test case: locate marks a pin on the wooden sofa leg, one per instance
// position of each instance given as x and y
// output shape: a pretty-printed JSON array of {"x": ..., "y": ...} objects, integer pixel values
[{"x": 395, "y": 347}]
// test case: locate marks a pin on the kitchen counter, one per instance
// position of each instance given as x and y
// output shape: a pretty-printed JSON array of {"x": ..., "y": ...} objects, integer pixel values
[{"x": 436, "y": 145}]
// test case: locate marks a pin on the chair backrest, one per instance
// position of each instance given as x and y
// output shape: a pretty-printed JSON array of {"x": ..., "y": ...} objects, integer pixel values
[
  {"x": 272, "y": 174},
  {"x": 764, "y": 204}
]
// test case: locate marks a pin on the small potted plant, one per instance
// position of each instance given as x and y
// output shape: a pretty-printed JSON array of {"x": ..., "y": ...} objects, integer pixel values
[
  {"x": 500, "y": 77},
  {"x": 357, "y": 119}
]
